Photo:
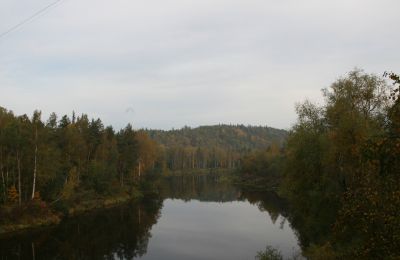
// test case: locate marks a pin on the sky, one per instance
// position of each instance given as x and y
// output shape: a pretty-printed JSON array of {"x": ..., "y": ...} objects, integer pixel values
[{"x": 170, "y": 63}]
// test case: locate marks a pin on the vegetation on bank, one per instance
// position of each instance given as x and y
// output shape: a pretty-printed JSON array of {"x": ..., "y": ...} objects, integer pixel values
[
  {"x": 68, "y": 165},
  {"x": 341, "y": 170},
  {"x": 261, "y": 169},
  {"x": 33, "y": 214}
]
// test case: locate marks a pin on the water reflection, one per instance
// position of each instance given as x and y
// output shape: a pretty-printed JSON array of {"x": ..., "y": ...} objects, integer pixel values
[
  {"x": 202, "y": 188},
  {"x": 196, "y": 218},
  {"x": 269, "y": 202},
  {"x": 205, "y": 188},
  {"x": 121, "y": 232}
]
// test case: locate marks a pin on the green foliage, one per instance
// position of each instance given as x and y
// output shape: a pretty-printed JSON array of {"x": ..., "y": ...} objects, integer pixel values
[
  {"x": 321, "y": 252},
  {"x": 370, "y": 209},
  {"x": 342, "y": 171},
  {"x": 262, "y": 169},
  {"x": 270, "y": 253},
  {"x": 67, "y": 158},
  {"x": 220, "y": 146},
  {"x": 70, "y": 185}
]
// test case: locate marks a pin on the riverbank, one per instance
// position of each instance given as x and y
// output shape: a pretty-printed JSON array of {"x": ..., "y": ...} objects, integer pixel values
[
  {"x": 198, "y": 172},
  {"x": 98, "y": 203},
  {"x": 255, "y": 184},
  {"x": 38, "y": 214},
  {"x": 31, "y": 215}
]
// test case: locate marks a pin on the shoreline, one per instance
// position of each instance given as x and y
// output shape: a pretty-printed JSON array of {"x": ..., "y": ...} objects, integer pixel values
[{"x": 54, "y": 218}]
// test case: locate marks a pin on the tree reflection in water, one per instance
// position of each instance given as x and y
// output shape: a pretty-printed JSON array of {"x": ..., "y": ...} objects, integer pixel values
[
  {"x": 124, "y": 232},
  {"x": 121, "y": 232}
]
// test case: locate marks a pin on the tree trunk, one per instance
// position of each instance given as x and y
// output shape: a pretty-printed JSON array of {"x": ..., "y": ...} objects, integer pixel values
[
  {"x": 33, "y": 251},
  {"x": 139, "y": 168},
  {"x": 35, "y": 165},
  {"x": 79, "y": 169},
  {"x": 122, "y": 175},
  {"x": 7, "y": 174},
  {"x": 2, "y": 174},
  {"x": 139, "y": 215},
  {"x": 87, "y": 162},
  {"x": 19, "y": 178},
  {"x": 193, "y": 184},
  {"x": 4, "y": 185}
]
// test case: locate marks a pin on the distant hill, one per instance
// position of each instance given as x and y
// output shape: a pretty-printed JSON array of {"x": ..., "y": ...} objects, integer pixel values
[
  {"x": 218, "y": 146},
  {"x": 236, "y": 137}
]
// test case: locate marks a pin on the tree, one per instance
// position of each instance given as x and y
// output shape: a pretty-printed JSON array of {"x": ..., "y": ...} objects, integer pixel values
[
  {"x": 128, "y": 152},
  {"x": 36, "y": 122},
  {"x": 328, "y": 171},
  {"x": 148, "y": 152},
  {"x": 355, "y": 111},
  {"x": 370, "y": 210}
]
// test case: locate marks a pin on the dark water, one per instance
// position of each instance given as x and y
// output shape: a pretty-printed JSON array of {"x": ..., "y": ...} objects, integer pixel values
[{"x": 196, "y": 218}]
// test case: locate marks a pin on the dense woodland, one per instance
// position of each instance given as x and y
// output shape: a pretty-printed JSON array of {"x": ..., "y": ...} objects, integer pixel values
[
  {"x": 65, "y": 159},
  {"x": 219, "y": 146},
  {"x": 340, "y": 170}
]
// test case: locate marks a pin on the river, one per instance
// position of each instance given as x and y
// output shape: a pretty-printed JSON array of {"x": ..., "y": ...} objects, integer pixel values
[{"x": 196, "y": 218}]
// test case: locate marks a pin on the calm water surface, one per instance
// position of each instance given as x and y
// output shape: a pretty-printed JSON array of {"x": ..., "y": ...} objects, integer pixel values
[{"x": 197, "y": 218}]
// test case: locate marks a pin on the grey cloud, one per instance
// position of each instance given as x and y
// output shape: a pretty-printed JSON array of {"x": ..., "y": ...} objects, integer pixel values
[{"x": 189, "y": 62}]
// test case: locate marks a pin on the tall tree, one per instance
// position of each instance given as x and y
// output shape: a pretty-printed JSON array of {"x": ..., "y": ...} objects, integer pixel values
[
  {"x": 128, "y": 152},
  {"x": 37, "y": 123}
]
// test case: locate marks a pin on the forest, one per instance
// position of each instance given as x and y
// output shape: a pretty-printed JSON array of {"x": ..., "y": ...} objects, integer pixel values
[
  {"x": 219, "y": 146},
  {"x": 339, "y": 170},
  {"x": 67, "y": 165}
]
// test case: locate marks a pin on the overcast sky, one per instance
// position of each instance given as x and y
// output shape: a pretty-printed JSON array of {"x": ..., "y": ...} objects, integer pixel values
[{"x": 164, "y": 64}]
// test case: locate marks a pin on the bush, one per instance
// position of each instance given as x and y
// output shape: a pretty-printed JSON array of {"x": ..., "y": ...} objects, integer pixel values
[{"x": 270, "y": 253}]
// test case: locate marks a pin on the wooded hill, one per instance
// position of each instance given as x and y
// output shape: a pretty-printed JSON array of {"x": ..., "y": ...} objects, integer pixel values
[{"x": 218, "y": 146}]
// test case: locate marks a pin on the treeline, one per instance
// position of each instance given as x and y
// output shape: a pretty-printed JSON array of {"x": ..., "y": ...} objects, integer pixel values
[
  {"x": 341, "y": 170},
  {"x": 53, "y": 160},
  {"x": 219, "y": 146}
]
